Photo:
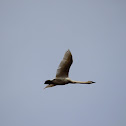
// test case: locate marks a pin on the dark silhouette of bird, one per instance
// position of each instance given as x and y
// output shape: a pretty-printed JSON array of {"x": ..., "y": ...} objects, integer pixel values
[{"x": 62, "y": 73}]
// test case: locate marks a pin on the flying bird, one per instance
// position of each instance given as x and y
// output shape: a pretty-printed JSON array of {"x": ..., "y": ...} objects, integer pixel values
[{"x": 62, "y": 74}]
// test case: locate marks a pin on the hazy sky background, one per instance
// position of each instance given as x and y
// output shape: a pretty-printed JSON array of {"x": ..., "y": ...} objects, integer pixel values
[{"x": 35, "y": 34}]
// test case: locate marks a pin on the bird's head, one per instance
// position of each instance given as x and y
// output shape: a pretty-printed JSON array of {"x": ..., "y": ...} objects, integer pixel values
[
  {"x": 90, "y": 82},
  {"x": 48, "y": 82}
]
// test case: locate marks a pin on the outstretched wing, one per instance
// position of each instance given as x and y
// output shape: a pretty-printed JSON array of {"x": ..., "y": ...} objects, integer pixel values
[{"x": 63, "y": 69}]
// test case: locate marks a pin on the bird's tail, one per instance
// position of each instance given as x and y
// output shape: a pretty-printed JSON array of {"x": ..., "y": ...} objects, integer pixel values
[{"x": 50, "y": 85}]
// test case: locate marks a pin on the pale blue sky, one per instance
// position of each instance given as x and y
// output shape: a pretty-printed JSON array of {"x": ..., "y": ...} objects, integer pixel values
[{"x": 34, "y": 37}]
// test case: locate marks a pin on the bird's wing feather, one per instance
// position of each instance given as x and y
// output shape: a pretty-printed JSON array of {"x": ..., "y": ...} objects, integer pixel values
[{"x": 63, "y": 69}]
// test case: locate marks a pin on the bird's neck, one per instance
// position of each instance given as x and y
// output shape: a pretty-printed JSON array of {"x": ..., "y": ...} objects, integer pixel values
[{"x": 80, "y": 82}]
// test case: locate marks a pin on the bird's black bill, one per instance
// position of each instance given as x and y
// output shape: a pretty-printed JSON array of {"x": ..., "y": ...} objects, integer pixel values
[{"x": 93, "y": 82}]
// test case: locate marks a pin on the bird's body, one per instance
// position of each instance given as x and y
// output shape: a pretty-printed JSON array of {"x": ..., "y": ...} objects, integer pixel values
[
  {"x": 63, "y": 71},
  {"x": 61, "y": 81}
]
